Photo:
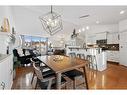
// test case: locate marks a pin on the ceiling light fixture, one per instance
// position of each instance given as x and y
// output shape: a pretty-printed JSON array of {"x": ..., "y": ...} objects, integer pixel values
[
  {"x": 51, "y": 22},
  {"x": 79, "y": 30},
  {"x": 122, "y": 12},
  {"x": 83, "y": 29},
  {"x": 87, "y": 27}
]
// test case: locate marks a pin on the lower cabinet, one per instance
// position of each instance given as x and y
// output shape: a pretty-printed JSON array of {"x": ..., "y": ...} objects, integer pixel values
[
  {"x": 6, "y": 73},
  {"x": 113, "y": 56}
]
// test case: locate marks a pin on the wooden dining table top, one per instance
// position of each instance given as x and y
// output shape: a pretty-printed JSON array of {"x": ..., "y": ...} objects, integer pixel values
[{"x": 60, "y": 63}]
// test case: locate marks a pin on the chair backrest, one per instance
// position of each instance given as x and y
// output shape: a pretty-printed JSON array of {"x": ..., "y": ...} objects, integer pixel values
[
  {"x": 31, "y": 52},
  {"x": 37, "y": 71},
  {"x": 24, "y": 51},
  {"x": 15, "y": 53}
]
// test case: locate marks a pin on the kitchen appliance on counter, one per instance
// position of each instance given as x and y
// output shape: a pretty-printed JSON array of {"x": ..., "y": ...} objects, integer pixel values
[{"x": 101, "y": 42}]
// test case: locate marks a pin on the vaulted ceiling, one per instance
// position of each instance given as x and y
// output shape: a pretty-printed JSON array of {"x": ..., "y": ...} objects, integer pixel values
[{"x": 103, "y": 14}]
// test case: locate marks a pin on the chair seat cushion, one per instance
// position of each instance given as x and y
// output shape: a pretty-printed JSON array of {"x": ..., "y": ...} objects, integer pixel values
[
  {"x": 73, "y": 73},
  {"x": 48, "y": 73},
  {"x": 37, "y": 60}
]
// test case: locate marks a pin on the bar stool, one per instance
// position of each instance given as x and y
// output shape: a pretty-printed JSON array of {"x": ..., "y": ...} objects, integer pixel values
[
  {"x": 72, "y": 54},
  {"x": 81, "y": 56},
  {"x": 92, "y": 60}
]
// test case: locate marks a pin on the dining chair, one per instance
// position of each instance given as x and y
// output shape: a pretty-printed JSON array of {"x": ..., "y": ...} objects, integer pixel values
[
  {"x": 46, "y": 80},
  {"x": 73, "y": 74},
  {"x": 42, "y": 67}
]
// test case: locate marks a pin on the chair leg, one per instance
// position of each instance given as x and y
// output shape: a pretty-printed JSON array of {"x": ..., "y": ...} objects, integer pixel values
[
  {"x": 74, "y": 84},
  {"x": 32, "y": 77},
  {"x": 65, "y": 85},
  {"x": 36, "y": 84}
]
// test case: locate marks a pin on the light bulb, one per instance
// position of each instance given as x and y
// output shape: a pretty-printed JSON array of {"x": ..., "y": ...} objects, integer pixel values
[
  {"x": 122, "y": 12},
  {"x": 79, "y": 30},
  {"x": 49, "y": 20},
  {"x": 87, "y": 27},
  {"x": 52, "y": 24},
  {"x": 83, "y": 29}
]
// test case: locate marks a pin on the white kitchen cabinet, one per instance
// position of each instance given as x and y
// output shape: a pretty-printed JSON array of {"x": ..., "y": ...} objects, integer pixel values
[
  {"x": 101, "y": 36},
  {"x": 6, "y": 72},
  {"x": 91, "y": 39},
  {"x": 113, "y": 56},
  {"x": 112, "y": 38}
]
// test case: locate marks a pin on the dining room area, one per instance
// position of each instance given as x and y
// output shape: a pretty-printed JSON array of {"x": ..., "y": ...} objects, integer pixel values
[{"x": 53, "y": 47}]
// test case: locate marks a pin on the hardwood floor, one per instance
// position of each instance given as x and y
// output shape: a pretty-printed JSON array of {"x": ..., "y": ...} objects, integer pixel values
[{"x": 114, "y": 77}]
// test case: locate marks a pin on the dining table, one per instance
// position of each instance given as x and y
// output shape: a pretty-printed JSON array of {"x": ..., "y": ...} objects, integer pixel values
[{"x": 61, "y": 63}]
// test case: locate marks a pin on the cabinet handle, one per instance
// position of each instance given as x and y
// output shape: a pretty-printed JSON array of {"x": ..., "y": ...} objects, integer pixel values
[{"x": 3, "y": 85}]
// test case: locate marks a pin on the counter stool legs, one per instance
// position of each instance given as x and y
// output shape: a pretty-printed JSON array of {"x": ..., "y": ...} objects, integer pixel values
[{"x": 92, "y": 60}]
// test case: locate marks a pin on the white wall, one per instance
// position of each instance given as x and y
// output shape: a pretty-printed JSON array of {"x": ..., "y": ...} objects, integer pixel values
[
  {"x": 5, "y": 12},
  {"x": 123, "y": 25}
]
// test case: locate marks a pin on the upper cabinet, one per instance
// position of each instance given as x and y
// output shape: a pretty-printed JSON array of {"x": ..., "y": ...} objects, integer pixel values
[
  {"x": 113, "y": 38},
  {"x": 91, "y": 39},
  {"x": 100, "y": 36}
]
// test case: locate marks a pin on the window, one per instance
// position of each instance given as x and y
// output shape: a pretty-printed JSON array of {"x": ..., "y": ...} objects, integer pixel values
[{"x": 39, "y": 44}]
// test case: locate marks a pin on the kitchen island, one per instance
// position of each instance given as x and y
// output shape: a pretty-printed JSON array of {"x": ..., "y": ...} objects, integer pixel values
[{"x": 100, "y": 55}]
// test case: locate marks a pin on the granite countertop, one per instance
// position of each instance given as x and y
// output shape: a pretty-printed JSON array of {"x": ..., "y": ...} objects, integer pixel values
[
  {"x": 3, "y": 56},
  {"x": 83, "y": 48}
]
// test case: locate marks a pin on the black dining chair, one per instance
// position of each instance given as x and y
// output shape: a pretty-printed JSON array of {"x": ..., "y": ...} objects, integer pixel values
[{"x": 73, "y": 74}]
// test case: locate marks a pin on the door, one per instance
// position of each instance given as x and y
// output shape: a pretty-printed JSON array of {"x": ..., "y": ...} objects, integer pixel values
[{"x": 123, "y": 48}]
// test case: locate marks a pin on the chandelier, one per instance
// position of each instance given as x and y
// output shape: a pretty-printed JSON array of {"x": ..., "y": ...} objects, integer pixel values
[
  {"x": 74, "y": 34},
  {"x": 51, "y": 22}
]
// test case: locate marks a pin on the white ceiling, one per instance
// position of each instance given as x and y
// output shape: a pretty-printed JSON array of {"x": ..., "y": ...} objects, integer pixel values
[{"x": 104, "y": 14}]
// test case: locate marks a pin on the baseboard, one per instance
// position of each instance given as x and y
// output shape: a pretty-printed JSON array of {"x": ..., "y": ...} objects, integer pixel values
[
  {"x": 112, "y": 62},
  {"x": 123, "y": 65}
]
